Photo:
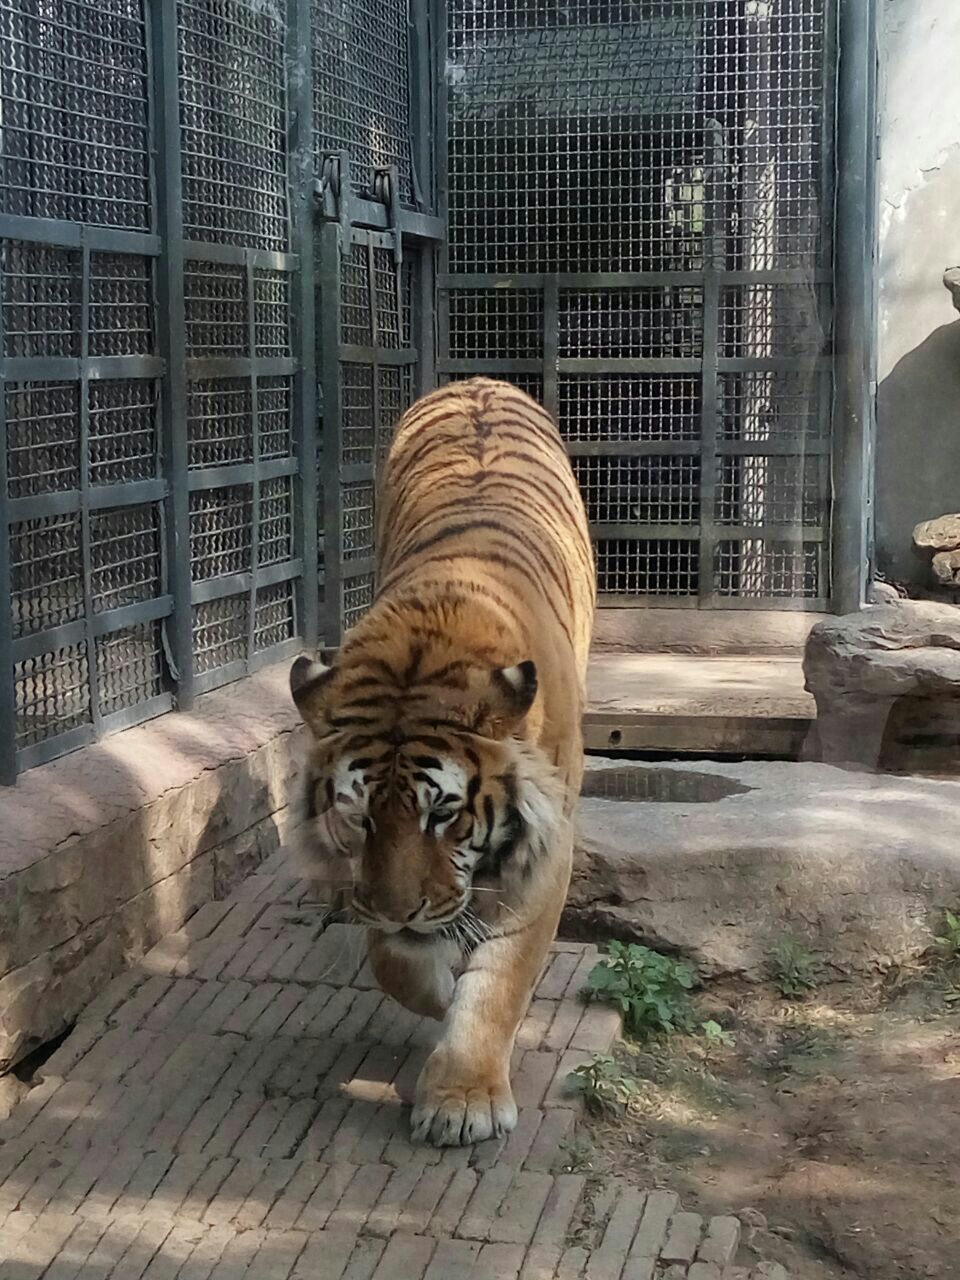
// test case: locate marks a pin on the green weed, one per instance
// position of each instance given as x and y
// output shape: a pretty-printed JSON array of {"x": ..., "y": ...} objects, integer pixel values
[
  {"x": 651, "y": 990},
  {"x": 604, "y": 1086},
  {"x": 794, "y": 970}
]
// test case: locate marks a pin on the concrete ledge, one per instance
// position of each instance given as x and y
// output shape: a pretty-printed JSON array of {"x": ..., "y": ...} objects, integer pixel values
[{"x": 105, "y": 851}]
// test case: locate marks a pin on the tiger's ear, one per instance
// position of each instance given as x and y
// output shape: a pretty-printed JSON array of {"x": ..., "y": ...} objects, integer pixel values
[
  {"x": 512, "y": 691},
  {"x": 309, "y": 678}
]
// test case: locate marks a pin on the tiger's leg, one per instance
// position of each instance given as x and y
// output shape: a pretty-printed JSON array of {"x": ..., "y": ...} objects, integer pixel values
[
  {"x": 463, "y": 1094},
  {"x": 418, "y": 975}
]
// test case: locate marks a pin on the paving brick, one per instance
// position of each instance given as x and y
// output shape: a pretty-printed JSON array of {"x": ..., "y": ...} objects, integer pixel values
[
  {"x": 512, "y": 1148},
  {"x": 531, "y": 1077},
  {"x": 325, "y": 1124},
  {"x": 599, "y": 1027},
  {"x": 565, "y": 1022},
  {"x": 110, "y": 1184},
  {"x": 419, "y": 1209},
  {"x": 498, "y": 1262},
  {"x": 326, "y": 1197},
  {"x": 365, "y": 1259},
  {"x": 561, "y": 969},
  {"x": 143, "y": 1245},
  {"x": 32, "y": 1252},
  {"x": 283, "y": 1007},
  {"x": 206, "y": 1187},
  {"x": 704, "y": 1271},
  {"x": 683, "y": 1238},
  {"x": 540, "y": 1263},
  {"x": 768, "y": 1271},
  {"x": 326, "y": 1254},
  {"x": 245, "y": 1015},
  {"x": 385, "y": 1123},
  {"x": 289, "y": 1203},
  {"x": 519, "y": 1214},
  {"x": 373, "y": 1077},
  {"x": 453, "y": 1203},
  {"x": 536, "y": 1024},
  {"x": 385, "y": 1216},
  {"x": 175, "y": 1250},
  {"x": 556, "y": 1127},
  {"x": 69, "y": 1263},
  {"x": 336, "y": 956},
  {"x": 237, "y": 1257},
  {"x": 289, "y": 1133},
  {"x": 453, "y": 1260},
  {"x": 76, "y": 1046},
  {"x": 608, "y": 1260},
  {"x": 406, "y": 1256},
  {"x": 721, "y": 1241},
  {"x": 558, "y": 1094},
  {"x": 572, "y": 1264},
  {"x": 485, "y": 1203},
  {"x": 145, "y": 1180},
  {"x": 228, "y": 1199},
  {"x": 558, "y": 1211},
  {"x": 277, "y": 1255},
  {"x": 359, "y": 1197},
  {"x": 640, "y": 1269},
  {"x": 652, "y": 1231}
]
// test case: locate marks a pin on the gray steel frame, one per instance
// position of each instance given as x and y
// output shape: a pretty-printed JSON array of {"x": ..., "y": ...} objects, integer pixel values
[{"x": 319, "y": 228}]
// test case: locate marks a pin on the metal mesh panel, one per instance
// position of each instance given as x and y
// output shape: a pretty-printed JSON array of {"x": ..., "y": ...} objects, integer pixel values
[
  {"x": 493, "y": 325},
  {"x": 233, "y": 114},
  {"x": 129, "y": 667},
  {"x": 357, "y": 599},
  {"x": 276, "y": 409},
  {"x": 121, "y": 305},
  {"x": 639, "y": 322},
  {"x": 275, "y": 517},
  {"x": 42, "y": 298},
  {"x": 357, "y": 420},
  {"x": 46, "y": 572},
  {"x": 635, "y": 409},
  {"x": 361, "y": 86},
  {"x": 125, "y": 556},
  {"x": 220, "y": 531},
  {"x": 73, "y": 80},
  {"x": 357, "y": 503},
  {"x": 122, "y": 426},
  {"x": 272, "y": 318},
  {"x": 621, "y": 178},
  {"x": 52, "y": 695},
  {"x": 219, "y": 633},
  {"x": 216, "y": 309},
  {"x": 43, "y": 438},
  {"x": 623, "y": 490},
  {"x": 754, "y": 569},
  {"x": 219, "y": 422},
  {"x": 638, "y": 567},
  {"x": 274, "y": 617}
]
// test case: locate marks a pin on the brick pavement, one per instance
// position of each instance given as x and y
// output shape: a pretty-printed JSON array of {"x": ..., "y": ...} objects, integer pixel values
[{"x": 235, "y": 1106}]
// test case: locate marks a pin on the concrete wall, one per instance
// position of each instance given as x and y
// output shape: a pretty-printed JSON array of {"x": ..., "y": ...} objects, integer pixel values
[{"x": 918, "y": 403}]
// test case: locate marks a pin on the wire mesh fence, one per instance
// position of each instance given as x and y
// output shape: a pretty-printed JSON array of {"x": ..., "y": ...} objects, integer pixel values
[
  {"x": 640, "y": 202},
  {"x": 169, "y": 500}
]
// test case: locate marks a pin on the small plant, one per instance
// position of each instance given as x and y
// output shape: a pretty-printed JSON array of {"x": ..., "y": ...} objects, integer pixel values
[
  {"x": 716, "y": 1037},
  {"x": 948, "y": 940},
  {"x": 577, "y": 1155},
  {"x": 651, "y": 990},
  {"x": 794, "y": 969},
  {"x": 603, "y": 1085}
]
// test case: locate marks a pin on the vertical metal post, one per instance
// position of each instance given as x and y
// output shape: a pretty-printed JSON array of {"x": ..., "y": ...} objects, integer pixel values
[
  {"x": 172, "y": 340},
  {"x": 250, "y": 290},
  {"x": 424, "y": 337},
  {"x": 330, "y": 244},
  {"x": 714, "y": 257},
  {"x": 551, "y": 345},
  {"x": 438, "y": 57},
  {"x": 8, "y": 696},
  {"x": 301, "y": 182},
  {"x": 854, "y": 302},
  {"x": 90, "y": 644}
]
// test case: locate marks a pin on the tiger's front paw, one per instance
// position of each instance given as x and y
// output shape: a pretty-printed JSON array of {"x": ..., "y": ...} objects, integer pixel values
[{"x": 456, "y": 1106}]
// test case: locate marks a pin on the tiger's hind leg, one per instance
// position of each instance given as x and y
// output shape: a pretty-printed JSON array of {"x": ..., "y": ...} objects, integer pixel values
[{"x": 418, "y": 975}]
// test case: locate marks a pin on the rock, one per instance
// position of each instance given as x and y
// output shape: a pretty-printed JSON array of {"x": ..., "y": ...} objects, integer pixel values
[
  {"x": 951, "y": 281},
  {"x": 942, "y": 534},
  {"x": 850, "y": 863},
  {"x": 11, "y": 1091},
  {"x": 867, "y": 670},
  {"x": 884, "y": 593},
  {"x": 946, "y": 568}
]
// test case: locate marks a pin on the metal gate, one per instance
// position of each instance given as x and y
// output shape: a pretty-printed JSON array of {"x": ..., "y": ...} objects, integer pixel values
[
  {"x": 215, "y": 218},
  {"x": 639, "y": 202}
]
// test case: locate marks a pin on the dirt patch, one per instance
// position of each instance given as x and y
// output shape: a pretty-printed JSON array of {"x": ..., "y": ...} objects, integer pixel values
[{"x": 831, "y": 1124}]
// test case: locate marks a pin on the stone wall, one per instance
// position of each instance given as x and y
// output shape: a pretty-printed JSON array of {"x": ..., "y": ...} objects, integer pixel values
[{"x": 105, "y": 851}]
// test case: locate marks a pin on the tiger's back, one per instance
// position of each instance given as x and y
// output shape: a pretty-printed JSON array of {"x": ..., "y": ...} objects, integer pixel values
[{"x": 477, "y": 489}]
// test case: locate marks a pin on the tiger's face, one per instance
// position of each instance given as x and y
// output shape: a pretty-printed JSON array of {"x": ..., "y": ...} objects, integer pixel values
[{"x": 432, "y": 798}]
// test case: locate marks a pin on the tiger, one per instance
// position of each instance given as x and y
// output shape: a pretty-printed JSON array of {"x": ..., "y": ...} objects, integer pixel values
[{"x": 446, "y": 751}]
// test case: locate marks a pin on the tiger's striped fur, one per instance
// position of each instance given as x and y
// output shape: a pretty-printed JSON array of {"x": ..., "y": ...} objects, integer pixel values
[{"x": 447, "y": 752}]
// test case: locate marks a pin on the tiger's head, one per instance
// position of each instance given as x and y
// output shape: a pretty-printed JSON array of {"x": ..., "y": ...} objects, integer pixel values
[{"x": 422, "y": 778}]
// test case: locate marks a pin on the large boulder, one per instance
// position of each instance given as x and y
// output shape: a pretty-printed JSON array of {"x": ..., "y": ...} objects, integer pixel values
[
  {"x": 722, "y": 862},
  {"x": 887, "y": 686}
]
